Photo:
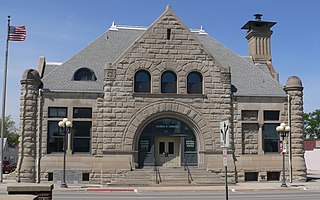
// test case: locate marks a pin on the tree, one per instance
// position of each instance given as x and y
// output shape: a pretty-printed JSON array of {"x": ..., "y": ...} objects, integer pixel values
[
  {"x": 311, "y": 122},
  {"x": 10, "y": 131}
]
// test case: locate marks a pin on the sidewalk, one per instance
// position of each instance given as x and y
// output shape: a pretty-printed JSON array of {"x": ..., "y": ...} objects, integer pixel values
[{"x": 247, "y": 186}]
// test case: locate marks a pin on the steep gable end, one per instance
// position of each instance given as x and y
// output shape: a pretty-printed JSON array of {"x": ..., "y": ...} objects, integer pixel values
[{"x": 168, "y": 40}]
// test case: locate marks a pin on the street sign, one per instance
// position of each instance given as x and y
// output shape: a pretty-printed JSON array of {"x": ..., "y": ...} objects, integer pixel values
[
  {"x": 284, "y": 143},
  {"x": 224, "y": 134},
  {"x": 225, "y": 154}
]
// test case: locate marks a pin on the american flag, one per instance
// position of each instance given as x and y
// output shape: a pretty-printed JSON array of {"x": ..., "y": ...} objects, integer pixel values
[{"x": 17, "y": 33}]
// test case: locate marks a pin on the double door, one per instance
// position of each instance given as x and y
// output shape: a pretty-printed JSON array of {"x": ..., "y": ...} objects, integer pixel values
[{"x": 167, "y": 152}]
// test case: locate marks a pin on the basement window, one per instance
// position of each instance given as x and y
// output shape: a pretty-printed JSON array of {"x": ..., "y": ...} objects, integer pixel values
[
  {"x": 50, "y": 176},
  {"x": 85, "y": 176},
  {"x": 251, "y": 176},
  {"x": 168, "y": 33},
  {"x": 273, "y": 176}
]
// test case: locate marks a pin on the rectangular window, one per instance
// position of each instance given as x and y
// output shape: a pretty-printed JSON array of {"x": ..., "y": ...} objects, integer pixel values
[
  {"x": 81, "y": 132},
  {"x": 55, "y": 139},
  {"x": 273, "y": 176},
  {"x": 171, "y": 147},
  {"x": 82, "y": 112},
  {"x": 50, "y": 176},
  {"x": 85, "y": 176},
  {"x": 161, "y": 148},
  {"x": 144, "y": 145},
  {"x": 270, "y": 138},
  {"x": 250, "y": 176},
  {"x": 249, "y": 115},
  {"x": 271, "y": 115},
  {"x": 57, "y": 112},
  {"x": 189, "y": 144},
  {"x": 250, "y": 138},
  {"x": 168, "y": 34}
]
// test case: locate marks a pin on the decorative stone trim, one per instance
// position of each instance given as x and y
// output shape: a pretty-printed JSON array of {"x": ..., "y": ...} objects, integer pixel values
[
  {"x": 110, "y": 74},
  {"x": 156, "y": 110},
  {"x": 168, "y": 95}
]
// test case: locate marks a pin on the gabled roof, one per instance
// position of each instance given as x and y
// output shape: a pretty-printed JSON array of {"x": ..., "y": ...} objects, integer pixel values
[
  {"x": 247, "y": 78},
  {"x": 106, "y": 49}
]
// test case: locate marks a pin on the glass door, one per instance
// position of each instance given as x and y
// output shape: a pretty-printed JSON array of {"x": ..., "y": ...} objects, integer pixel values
[{"x": 168, "y": 151}]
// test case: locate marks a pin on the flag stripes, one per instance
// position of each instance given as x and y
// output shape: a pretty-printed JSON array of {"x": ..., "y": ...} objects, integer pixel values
[{"x": 17, "y": 33}]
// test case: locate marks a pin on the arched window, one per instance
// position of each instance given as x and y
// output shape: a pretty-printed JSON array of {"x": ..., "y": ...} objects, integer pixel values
[
  {"x": 84, "y": 74},
  {"x": 142, "y": 81},
  {"x": 168, "y": 82},
  {"x": 194, "y": 85}
]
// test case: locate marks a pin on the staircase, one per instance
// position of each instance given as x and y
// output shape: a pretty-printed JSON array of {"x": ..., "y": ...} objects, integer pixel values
[
  {"x": 137, "y": 177},
  {"x": 169, "y": 176}
]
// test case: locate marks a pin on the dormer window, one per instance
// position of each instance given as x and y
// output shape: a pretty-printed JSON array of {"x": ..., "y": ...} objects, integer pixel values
[{"x": 84, "y": 74}]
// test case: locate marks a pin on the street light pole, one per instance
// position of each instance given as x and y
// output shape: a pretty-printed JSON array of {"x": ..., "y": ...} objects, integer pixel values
[
  {"x": 283, "y": 130},
  {"x": 65, "y": 127}
]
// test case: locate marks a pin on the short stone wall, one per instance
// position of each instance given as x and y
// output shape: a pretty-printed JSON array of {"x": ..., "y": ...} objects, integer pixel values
[{"x": 42, "y": 191}]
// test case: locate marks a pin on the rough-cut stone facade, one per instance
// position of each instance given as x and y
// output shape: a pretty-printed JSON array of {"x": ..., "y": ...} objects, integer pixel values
[
  {"x": 119, "y": 115},
  {"x": 26, "y": 166},
  {"x": 125, "y": 114},
  {"x": 250, "y": 138},
  {"x": 294, "y": 90}
]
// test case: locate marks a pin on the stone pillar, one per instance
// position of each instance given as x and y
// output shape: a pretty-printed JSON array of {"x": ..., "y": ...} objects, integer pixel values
[
  {"x": 26, "y": 167},
  {"x": 260, "y": 140},
  {"x": 294, "y": 89}
]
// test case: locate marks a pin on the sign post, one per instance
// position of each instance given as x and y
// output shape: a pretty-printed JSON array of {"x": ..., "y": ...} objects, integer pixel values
[{"x": 225, "y": 142}]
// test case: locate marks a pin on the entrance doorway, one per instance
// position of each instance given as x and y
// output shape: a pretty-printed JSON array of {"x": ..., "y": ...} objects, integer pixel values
[
  {"x": 168, "y": 151},
  {"x": 167, "y": 142}
]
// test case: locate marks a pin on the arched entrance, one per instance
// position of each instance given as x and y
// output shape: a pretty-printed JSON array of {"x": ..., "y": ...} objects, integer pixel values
[{"x": 167, "y": 142}]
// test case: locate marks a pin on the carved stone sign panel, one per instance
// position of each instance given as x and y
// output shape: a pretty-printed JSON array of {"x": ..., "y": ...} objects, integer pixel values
[
  {"x": 110, "y": 74},
  {"x": 72, "y": 176}
]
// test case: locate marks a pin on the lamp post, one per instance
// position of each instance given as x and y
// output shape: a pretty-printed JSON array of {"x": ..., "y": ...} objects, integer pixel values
[
  {"x": 283, "y": 130},
  {"x": 65, "y": 127}
]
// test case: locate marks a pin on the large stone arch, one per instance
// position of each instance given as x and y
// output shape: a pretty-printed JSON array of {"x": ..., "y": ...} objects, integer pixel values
[{"x": 178, "y": 110}]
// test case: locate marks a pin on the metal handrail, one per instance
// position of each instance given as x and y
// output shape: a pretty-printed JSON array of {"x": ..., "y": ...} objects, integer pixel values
[
  {"x": 186, "y": 168},
  {"x": 158, "y": 176},
  {"x": 130, "y": 164},
  {"x": 190, "y": 179}
]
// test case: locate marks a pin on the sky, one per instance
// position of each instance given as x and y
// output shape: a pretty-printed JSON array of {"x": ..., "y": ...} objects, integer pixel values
[{"x": 58, "y": 29}]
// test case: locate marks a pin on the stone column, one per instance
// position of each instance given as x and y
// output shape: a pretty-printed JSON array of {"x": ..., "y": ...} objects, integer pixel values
[
  {"x": 294, "y": 89},
  {"x": 30, "y": 84},
  {"x": 260, "y": 140}
]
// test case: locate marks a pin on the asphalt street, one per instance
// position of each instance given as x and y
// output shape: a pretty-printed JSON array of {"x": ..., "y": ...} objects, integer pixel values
[{"x": 270, "y": 195}]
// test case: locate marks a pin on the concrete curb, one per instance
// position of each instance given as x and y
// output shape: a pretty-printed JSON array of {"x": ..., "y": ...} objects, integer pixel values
[
  {"x": 239, "y": 187},
  {"x": 110, "y": 190}
]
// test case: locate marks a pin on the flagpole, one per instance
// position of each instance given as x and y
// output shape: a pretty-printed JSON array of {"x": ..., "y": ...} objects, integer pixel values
[{"x": 4, "y": 101}]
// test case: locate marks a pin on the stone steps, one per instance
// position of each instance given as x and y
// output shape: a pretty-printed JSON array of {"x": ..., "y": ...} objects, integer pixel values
[
  {"x": 169, "y": 176},
  {"x": 11, "y": 176}
]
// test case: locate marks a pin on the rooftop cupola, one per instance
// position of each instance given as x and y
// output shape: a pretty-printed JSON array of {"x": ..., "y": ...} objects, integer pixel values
[{"x": 258, "y": 36}]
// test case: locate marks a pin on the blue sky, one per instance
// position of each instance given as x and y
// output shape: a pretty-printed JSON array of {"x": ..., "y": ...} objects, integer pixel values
[{"x": 57, "y": 29}]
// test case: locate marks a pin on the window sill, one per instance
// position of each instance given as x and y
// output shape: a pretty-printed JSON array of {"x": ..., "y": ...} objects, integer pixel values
[
  {"x": 169, "y": 95},
  {"x": 72, "y": 154}
]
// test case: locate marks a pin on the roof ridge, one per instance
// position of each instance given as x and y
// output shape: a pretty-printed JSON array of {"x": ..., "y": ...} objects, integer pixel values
[
  {"x": 58, "y": 66},
  {"x": 128, "y": 27},
  {"x": 243, "y": 59}
]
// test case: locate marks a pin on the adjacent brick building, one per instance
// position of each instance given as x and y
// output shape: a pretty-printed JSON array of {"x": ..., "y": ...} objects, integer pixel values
[{"x": 145, "y": 96}]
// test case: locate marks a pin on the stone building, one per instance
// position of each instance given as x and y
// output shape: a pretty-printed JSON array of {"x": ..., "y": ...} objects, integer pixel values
[{"x": 155, "y": 96}]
